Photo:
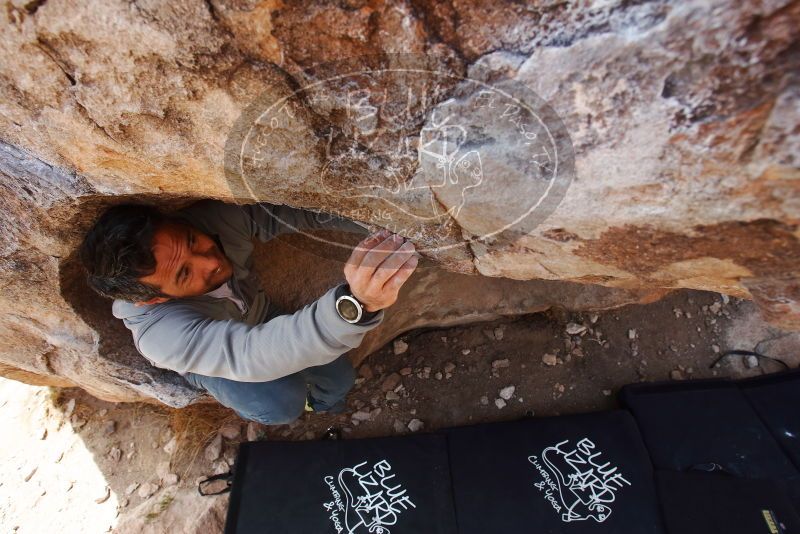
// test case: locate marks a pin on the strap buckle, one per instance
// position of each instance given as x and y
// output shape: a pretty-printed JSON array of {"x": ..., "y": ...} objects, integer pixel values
[{"x": 227, "y": 477}]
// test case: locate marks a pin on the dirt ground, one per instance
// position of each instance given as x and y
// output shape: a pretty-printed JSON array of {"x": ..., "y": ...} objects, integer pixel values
[{"x": 92, "y": 466}]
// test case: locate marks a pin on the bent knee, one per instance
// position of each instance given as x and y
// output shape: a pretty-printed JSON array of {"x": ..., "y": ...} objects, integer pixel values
[{"x": 281, "y": 413}]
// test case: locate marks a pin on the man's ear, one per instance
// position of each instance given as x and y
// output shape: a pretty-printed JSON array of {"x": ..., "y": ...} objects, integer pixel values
[{"x": 154, "y": 300}]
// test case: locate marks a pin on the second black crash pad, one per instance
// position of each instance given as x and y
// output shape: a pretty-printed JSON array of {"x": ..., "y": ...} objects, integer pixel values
[
  {"x": 578, "y": 474},
  {"x": 705, "y": 425},
  {"x": 703, "y": 503},
  {"x": 776, "y": 398}
]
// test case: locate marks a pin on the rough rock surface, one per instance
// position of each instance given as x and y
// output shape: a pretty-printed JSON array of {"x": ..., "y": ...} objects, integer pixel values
[
  {"x": 683, "y": 121},
  {"x": 432, "y": 297}
]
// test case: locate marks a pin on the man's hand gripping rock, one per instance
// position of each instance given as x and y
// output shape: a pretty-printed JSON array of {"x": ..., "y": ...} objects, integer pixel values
[{"x": 378, "y": 268}]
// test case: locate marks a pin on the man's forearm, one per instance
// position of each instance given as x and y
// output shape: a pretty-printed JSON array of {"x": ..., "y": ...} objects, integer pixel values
[{"x": 185, "y": 341}]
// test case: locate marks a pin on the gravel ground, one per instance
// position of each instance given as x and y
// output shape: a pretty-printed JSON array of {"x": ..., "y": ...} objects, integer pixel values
[{"x": 100, "y": 467}]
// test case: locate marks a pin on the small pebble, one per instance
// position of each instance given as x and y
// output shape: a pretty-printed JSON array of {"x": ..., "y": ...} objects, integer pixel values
[
  {"x": 31, "y": 473},
  {"x": 146, "y": 490},
  {"x": 574, "y": 329},
  {"x": 415, "y": 425},
  {"x": 391, "y": 382},
  {"x": 219, "y": 467},
  {"x": 361, "y": 415},
  {"x": 230, "y": 430},
  {"x": 214, "y": 449},
  {"x": 169, "y": 448},
  {"x": 498, "y": 333},
  {"x": 253, "y": 431},
  {"x": 104, "y": 497}
]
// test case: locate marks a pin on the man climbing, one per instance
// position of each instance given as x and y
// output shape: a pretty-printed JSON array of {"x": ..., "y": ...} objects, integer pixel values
[{"x": 182, "y": 283}]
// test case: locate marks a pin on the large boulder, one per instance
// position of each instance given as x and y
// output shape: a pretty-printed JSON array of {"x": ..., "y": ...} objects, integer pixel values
[{"x": 669, "y": 132}]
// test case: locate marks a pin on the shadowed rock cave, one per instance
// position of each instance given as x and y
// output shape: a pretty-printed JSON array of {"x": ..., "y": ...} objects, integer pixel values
[
  {"x": 115, "y": 345},
  {"x": 294, "y": 270},
  {"x": 114, "y": 341}
]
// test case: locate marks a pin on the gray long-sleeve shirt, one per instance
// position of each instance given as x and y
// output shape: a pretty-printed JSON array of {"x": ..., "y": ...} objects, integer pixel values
[{"x": 212, "y": 337}]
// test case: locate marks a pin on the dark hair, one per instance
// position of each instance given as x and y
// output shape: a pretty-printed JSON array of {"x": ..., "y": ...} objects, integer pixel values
[{"x": 116, "y": 252}]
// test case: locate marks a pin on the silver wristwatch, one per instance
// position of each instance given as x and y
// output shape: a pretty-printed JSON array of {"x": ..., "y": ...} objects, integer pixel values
[{"x": 350, "y": 308}]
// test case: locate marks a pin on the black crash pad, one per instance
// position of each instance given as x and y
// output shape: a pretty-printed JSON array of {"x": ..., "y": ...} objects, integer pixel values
[
  {"x": 577, "y": 474},
  {"x": 706, "y": 425},
  {"x": 375, "y": 486}
]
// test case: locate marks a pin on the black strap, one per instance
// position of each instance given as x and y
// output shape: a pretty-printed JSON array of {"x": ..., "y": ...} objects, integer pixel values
[
  {"x": 227, "y": 477},
  {"x": 711, "y": 467},
  {"x": 746, "y": 353}
]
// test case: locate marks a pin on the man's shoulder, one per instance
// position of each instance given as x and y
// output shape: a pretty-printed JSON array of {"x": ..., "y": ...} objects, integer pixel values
[
  {"x": 123, "y": 309},
  {"x": 217, "y": 217},
  {"x": 132, "y": 314}
]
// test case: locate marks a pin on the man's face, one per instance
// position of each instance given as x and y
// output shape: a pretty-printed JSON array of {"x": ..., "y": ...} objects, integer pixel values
[{"x": 188, "y": 262}]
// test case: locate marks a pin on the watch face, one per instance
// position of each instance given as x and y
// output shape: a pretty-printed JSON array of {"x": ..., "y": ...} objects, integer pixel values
[{"x": 348, "y": 309}]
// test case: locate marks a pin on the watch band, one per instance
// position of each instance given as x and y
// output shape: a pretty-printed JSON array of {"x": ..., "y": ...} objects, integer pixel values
[{"x": 366, "y": 316}]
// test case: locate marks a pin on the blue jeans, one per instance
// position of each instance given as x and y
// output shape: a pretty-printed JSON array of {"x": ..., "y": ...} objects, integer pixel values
[{"x": 283, "y": 400}]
